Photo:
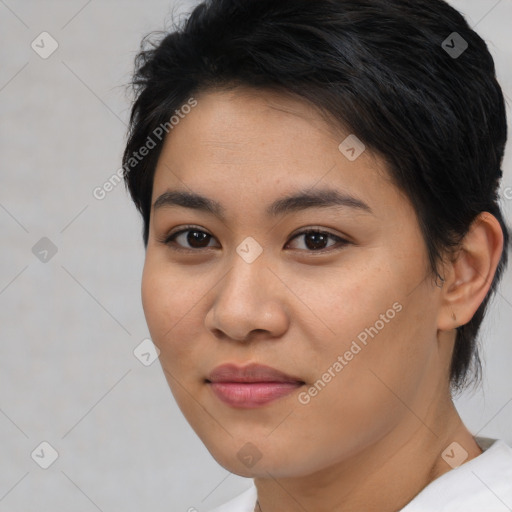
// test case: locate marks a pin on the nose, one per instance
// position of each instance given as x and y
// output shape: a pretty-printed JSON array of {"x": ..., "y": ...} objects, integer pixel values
[{"x": 249, "y": 301}]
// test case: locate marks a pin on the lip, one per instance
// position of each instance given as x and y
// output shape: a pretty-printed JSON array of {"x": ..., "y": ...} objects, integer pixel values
[{"x": 250, "y": 386}]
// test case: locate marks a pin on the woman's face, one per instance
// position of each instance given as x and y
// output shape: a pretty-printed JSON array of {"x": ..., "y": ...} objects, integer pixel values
[{"x": 349, "y": 314}]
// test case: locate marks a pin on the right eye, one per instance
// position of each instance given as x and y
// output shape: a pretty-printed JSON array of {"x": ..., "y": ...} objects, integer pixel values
[{"x": 193, "y": 236}]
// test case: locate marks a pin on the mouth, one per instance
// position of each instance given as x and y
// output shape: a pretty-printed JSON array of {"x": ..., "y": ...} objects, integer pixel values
[{"x": 250, "y": 386}]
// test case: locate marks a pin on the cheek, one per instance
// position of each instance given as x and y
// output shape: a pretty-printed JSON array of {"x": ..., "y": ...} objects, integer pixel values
[
  {"x": 172, "y": 302},
  {"x": 377, "y": 326},
  {"x": 169, "y": 313},
  {"x": 357, "y": 401},
  {"x": 348, "y": 301},
  {"x": 156, "y": 297},
  {"x": 162, "y": 300}
]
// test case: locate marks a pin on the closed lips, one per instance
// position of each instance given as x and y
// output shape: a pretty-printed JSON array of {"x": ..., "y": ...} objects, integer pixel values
[
  {"x": 250, "y": 373},
  {"x": 251, "y": 386}
]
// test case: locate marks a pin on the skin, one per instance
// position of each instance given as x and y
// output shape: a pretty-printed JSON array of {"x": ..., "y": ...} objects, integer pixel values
[{"x": 372, "y": 438}]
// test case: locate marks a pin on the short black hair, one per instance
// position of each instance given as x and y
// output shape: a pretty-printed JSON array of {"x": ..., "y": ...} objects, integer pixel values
[{"x": 409, "y": 78}]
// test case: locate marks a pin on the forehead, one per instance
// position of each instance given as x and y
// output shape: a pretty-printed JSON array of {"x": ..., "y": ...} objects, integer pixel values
[{"x": 253, "y": 145}]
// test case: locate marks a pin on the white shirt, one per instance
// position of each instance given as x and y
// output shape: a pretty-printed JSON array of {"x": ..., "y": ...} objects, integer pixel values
[{"x": 484, "y": 484}]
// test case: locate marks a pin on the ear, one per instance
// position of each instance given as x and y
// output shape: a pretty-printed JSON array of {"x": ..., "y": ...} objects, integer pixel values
[{"x": 469, "y": 275}]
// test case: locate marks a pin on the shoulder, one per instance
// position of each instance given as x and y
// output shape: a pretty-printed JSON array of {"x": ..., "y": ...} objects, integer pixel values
[
  {"x": 244, "y": 502},
  {"x": 483, "y": 483}
]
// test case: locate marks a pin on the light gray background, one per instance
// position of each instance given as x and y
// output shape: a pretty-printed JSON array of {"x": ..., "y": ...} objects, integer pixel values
[{"x": 69, "y": 326}]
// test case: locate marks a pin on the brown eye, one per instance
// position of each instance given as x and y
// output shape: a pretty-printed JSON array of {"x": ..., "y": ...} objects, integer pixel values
[
  {"x": 316, "y": 241},
  {"x": 193, "y": 239},
  {"x": 189, "y": 239}
]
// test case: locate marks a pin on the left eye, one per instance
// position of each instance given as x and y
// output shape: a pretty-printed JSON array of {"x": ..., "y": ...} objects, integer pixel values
[{"x": 314, "y": 240}]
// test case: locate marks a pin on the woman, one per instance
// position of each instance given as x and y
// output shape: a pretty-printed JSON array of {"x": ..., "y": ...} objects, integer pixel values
[{"x": 319, "y": 188}]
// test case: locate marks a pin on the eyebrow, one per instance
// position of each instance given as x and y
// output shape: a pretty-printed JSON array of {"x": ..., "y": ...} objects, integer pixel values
[{"x": 302, "y": 200}]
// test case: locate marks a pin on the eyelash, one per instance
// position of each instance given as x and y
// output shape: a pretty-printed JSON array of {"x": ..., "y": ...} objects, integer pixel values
[{"x": 169, "y": 239}]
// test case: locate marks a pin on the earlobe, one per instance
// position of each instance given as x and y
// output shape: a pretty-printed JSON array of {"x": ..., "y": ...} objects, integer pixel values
[{"x": 470, "y": 274}]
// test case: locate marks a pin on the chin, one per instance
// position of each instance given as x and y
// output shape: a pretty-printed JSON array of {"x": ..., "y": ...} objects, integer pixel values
[{"x": 258, "y": 458}]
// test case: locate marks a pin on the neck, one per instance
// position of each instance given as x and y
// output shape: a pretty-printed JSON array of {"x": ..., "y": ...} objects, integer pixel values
[{"x": 383, "y": 477}]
